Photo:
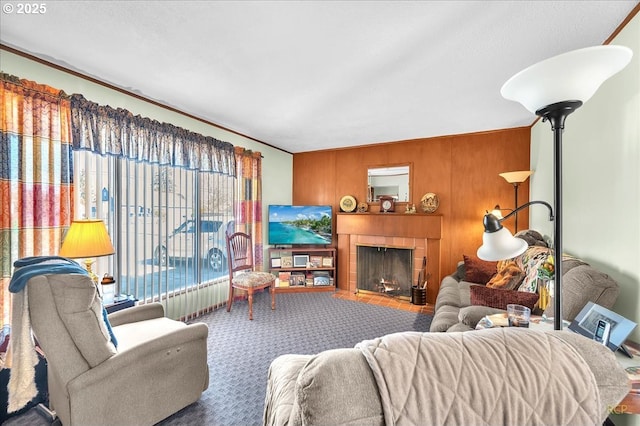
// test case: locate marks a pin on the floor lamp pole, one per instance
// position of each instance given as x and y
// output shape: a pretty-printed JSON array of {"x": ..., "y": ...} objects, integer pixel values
[
  {"x": 515, "y": 188},
  {"x": 556, "y": 114}
]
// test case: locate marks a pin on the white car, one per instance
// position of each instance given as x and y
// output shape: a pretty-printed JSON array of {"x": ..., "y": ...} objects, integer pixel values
[{"x": 181, "y": 244}]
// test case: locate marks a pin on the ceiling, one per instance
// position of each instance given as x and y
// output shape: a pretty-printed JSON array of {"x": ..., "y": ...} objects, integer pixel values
[{"x": 311, "y": 75}]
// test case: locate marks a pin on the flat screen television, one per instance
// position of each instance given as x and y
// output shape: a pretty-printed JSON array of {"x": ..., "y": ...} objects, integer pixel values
[{"x": 300, "y": 225}]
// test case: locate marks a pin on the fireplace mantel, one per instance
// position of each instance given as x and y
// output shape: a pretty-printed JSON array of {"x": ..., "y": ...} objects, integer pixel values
[{"x": 422, "y": 231}]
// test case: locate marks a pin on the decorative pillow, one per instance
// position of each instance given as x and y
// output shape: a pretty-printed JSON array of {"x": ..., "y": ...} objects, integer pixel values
[
  {"x": 507, "y": 278},
  {"x": 499, "y": 299},
  {"x": 477, "y": 270}
]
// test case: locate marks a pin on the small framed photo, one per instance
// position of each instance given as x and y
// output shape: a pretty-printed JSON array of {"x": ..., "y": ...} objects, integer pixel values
[
  {"x": 286, "y": 262},
  {"x": 297, "y": 279},
  {"x": 315, "y": 261},
  {"x": 275, "y": 262},
  {"x": 586, "y": 322},
  {"x": 327, "y": 262},
  {"x": 300, "y": 261}
]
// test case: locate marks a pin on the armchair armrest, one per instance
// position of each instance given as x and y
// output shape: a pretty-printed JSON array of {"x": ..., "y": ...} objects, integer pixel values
[
  {"x": 136, "y": 313},
  {"x": 471, "y": 315}
]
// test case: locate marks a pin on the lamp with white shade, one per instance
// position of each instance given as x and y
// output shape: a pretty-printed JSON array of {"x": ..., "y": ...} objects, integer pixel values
[
  {"x": 553, "y": 89},
  {"x": 497, "y": 242}
]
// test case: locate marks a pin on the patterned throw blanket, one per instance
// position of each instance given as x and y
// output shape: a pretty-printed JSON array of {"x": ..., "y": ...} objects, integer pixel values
[
  {"x": 21, "y": 355},
  {"x": 492, "y": 376}
]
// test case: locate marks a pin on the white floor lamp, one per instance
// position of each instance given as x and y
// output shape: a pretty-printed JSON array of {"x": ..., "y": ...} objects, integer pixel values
[{"x": 553, "y": 89}]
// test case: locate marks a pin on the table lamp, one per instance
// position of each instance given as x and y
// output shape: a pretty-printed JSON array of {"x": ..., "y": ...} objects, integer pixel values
[
  {"x": 87, "y": 238},
  {"x": 553, "y": 89}
]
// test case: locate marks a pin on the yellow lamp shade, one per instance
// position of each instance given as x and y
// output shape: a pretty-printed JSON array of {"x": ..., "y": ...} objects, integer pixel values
[{"x": 86, "y": 238}]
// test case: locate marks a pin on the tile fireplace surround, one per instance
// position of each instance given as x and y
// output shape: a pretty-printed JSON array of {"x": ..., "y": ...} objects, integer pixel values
[{"x": 420, "y": 232}]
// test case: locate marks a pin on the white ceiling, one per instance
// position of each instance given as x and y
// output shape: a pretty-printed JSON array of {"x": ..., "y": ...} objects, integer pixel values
[{"x": 310, "y": 75}]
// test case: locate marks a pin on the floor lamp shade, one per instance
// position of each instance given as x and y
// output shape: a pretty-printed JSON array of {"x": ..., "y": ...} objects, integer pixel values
[
  {"x": 86, "y": 238},
  {"x": 553, "y": 89},
  {"x": 516, "y": 177},
  {"x": 574, "y": 75}
]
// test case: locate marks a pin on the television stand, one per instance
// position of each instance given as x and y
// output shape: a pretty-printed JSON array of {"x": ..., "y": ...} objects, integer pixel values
[{"x": 303, "y": 269}]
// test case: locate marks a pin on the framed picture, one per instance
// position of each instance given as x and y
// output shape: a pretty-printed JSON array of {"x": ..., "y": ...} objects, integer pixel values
[
  {"x": 586, "y": 321},
  {"x": 286, "y": 262},
  {"x": 315, "y": 261},
  {"x": 297, "y": 279},
  {"x": 327, "y": 262},
  {"x": 300, "y": 260},
  {"x": 275, "y": 262},
  {"x": 321, "y": 278},
  {"x": 284, "y": 278}
]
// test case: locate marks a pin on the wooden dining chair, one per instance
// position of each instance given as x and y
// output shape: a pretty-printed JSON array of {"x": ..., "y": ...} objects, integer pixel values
[{"x": 242, "y": 273}]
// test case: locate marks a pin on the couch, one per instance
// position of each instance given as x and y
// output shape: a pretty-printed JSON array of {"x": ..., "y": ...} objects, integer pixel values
[
  {"x": 581, "y": 283},
  {"x": 493, "y": 376},
  {"x": 138, "y": 367}
]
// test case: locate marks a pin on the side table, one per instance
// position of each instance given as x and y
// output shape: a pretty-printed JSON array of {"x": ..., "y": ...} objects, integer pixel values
[
  {"x": 119, "y": 302},
  {"x": 631, "y": 403}
]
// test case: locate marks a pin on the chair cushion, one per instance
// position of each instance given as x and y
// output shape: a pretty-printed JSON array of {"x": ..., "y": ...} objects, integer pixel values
[
  {"x": 81, "y": 311},
  {"x": 140, "y": 332},
  {"x": 253, "y": 279}
]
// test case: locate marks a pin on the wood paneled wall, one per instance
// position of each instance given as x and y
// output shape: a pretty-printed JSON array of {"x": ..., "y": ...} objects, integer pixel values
[{"x": 461, "y": 169}]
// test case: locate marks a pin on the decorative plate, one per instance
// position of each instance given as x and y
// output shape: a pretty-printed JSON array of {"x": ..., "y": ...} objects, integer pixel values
[
  {"x": 363, "y": 207},
  {"x": 348, "y": 204},
  {"x": 429, "y": 202}
]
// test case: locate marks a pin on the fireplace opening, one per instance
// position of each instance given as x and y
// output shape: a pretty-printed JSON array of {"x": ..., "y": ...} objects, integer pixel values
[{"x": 384, "y": 270}]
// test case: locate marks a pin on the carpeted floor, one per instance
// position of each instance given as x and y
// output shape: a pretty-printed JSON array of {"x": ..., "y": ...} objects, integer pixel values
[{"x": 240, "y": 350}]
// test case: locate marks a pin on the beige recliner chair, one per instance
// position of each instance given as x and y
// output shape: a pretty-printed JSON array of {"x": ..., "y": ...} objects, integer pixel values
[{"x": 158, "y": 367}]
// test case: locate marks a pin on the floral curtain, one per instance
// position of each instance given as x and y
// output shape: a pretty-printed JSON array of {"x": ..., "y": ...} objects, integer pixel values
[
  {"x": 248, "y": 208},
  {"x": 36, "y": 176},
  {"x": 110, "y": 131}
]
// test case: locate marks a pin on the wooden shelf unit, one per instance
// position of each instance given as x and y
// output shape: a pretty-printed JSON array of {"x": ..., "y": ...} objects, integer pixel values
[{"x": 297, "y": 261}]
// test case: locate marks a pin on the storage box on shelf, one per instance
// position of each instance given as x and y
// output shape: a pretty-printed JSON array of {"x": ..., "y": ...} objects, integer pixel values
[{"x": 303, "y": 269}]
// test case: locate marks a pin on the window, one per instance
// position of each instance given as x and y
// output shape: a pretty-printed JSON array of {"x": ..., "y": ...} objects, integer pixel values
[{"x": 167, "y": 224}]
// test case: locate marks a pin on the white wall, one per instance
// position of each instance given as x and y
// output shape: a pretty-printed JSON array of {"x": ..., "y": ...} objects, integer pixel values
[
  {"x": 277, "y": 166},
  {"x": 601, "y": 184}
]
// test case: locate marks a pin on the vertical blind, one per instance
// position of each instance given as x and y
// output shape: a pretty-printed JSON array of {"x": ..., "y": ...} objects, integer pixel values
[
  {"x": 166, "y": 195},
  {"x": 167, "y": 225}
]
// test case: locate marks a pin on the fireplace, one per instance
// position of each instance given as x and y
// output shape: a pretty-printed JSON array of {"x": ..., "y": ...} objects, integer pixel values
[
  {"x": 384, "y": 270},
  {"x": 421, "y": 233}
]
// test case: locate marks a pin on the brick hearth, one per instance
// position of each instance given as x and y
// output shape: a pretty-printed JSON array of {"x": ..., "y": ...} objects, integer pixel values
[{"x": 420, "y": 232}]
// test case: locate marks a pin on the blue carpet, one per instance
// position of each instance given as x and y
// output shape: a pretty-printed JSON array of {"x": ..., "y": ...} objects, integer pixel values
[{"x": 240, "y": 351}]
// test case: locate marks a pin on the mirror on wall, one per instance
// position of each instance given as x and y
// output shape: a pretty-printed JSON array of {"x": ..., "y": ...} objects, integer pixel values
[{"x": 390, "y": 181}]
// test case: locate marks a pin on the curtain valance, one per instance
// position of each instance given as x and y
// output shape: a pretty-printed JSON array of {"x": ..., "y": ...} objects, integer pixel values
[{"x": 116, "y": 131}]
